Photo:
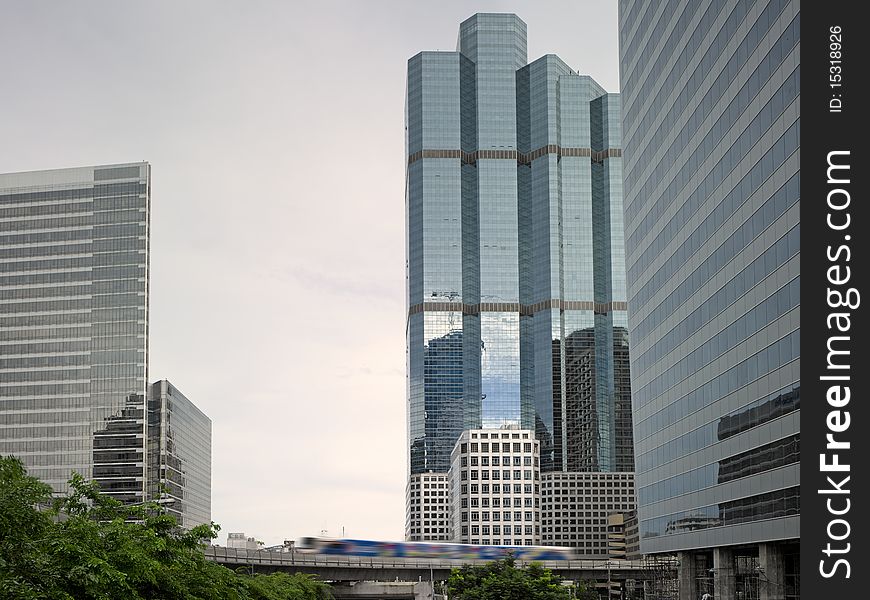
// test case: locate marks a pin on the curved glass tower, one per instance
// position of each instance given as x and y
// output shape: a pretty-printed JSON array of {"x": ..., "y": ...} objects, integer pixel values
[{"x": 711, "y": 96}]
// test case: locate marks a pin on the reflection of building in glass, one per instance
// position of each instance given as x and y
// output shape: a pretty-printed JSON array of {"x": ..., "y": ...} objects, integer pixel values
[
  {"x": 622, "y": 536},
  {"x": 515, "y": 261},
  {"x": 119, "y": 452},
  {"x": 583, "y": 412},
  {"x": 73, "y": 323},
  {"x": 711, "y": 120},
  {"x": 179, "y": 455}
]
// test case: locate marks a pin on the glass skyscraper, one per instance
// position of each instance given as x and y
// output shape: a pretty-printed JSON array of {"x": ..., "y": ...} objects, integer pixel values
[
  {"x": 515, "y": 263},
  {"x": 711, "y": 121},
  {"x": 74, "y": 248},
  {"x": 179, "y": 455},
  {"x": 73, "y": 323}
]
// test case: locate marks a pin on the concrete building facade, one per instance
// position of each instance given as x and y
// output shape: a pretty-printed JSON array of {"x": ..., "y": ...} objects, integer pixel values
[
  {"x": 495, "y": 494},
  {"x": 427, "y": 508}
]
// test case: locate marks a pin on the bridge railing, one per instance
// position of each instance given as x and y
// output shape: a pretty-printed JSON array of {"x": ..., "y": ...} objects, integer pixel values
[{"x": 263, "y": 557}]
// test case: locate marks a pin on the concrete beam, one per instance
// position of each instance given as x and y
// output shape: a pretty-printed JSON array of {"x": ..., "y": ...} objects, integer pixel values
[
  {"x": 724, "y": 574},
  {"x": 771, "y": 583},
  {"x": 376, "y": 590},
  {"x": 686, "y": 576}
]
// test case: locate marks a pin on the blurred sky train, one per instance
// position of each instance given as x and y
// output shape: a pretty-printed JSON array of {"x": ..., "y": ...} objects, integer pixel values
[{"x": 429, "y": 550}]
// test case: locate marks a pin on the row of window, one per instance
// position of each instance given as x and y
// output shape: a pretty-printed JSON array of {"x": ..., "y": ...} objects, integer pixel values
[
  {"x": 66, "y": 208},
  {"x": 484, "y": 488},
  {"x": 496, "y": 461},
  {"x": 505, "y": 474},
  {"x": 497, "y": 530},
  {"x": 780, "y": 353},
  {"x": 496, "y": 502},
  {"x": 497, "y": 516},
  {"x": 505, "y": 447},
  {"x": 94, "y": 233},
  {"x": 731, "y": 114},
  {"x": 736, "y": 108},
  {"x": 787, "y": 144}
]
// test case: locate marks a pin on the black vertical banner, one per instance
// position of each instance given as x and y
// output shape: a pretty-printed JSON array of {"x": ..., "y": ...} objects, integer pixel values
[{"x": 835, "y": 373}]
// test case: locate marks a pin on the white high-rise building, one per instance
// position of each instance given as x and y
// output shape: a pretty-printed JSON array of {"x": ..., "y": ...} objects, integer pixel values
[
  {"x": 427, "y": 508},
  {"x": 495, "y": 495}
]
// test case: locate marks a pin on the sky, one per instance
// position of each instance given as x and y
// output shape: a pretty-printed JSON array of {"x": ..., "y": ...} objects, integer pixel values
[{"x": 275, "y": 136}]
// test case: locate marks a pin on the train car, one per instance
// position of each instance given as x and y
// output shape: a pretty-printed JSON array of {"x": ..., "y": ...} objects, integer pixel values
[{"x": 351, "y": 547}]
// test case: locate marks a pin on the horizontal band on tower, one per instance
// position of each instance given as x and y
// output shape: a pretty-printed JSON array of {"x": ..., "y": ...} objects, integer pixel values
[
  {"x": 600, "y": 308},
  {"x": 522, "y": 158}
]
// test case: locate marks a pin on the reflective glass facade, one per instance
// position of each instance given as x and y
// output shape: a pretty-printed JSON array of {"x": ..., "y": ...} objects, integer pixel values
[
  {"x": 515, "y": 268},
  {"x": 179, "y": 455},
  {"x": 73, "y": 323},
  {"x": 711, "y": 121}
]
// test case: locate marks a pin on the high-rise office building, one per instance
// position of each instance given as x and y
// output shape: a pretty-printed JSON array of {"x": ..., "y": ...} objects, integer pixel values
[
  {"x": 427, "y": 509},
  {"x": 74, "y": 250},
  {"x": 73, "y": 323},
  {"x": 515, "y": 262},
  {"x": 711, "y": 122},
  {"x": 179, "y": 455},
  {"x": 495, "y": 488}
]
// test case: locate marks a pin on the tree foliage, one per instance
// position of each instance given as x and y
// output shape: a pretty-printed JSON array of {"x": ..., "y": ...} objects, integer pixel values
[
  {"x": 87, "y": 545},
  {"x": 503, "y": 580}
]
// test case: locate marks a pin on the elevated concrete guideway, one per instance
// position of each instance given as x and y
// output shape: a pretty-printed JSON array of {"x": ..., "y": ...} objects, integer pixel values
[{"x": 389, "y": 569}]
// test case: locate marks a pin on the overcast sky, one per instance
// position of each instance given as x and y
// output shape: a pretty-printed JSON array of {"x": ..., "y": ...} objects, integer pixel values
[{"x": 275, "y": 135}]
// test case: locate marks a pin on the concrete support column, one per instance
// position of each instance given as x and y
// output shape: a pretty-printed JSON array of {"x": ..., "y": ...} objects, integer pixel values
[
  {"x": 771, "y": 583},
  {"x": 688, "y": 581},
  {"x": 724, "y": 574}
]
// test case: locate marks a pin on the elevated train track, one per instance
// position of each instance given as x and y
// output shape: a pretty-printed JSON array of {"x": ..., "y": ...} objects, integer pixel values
[{"x": 375, "y": 568}]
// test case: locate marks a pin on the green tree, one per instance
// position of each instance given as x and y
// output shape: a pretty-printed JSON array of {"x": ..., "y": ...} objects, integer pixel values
[
  {"x": 87, "y": 545},
  {"x": 280, "y": 586},
  {"x": 503, "y": 580}
]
